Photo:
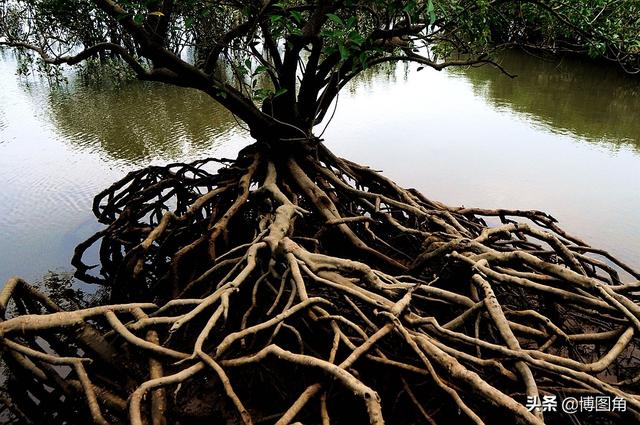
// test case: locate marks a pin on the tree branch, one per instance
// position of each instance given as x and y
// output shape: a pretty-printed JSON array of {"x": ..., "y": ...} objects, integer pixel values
[{"x": 83, "y": 55}]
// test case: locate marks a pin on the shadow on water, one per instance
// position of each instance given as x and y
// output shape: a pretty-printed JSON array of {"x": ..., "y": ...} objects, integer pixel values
[
  {"x": 583, "y": 98},
  {"x": 138, "y": 121}
]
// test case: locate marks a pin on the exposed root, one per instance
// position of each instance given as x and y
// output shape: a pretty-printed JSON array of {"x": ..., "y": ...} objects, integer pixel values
[{"x": 316, "y": 290}]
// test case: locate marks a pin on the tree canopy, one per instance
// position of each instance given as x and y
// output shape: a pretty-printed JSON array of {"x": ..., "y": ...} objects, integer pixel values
[{"x": 278, "y": 65}]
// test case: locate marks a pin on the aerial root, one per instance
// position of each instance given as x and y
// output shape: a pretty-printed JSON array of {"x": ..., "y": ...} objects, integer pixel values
[{"x": 273, "y": 290}]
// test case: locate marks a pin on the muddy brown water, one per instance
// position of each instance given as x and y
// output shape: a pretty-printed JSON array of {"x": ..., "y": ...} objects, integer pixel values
[{"x": 563, "y": 137}]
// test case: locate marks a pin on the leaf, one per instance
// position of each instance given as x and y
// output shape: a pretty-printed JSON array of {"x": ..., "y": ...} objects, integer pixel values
[
  {"x": 260, "y": 94},
  {"x": 259, "y": 69},
  {"x": 410, "y": 6},
  {"x": 330, "y": 50},
  {"x": 336, "y": 19},
  {"x": 138, "y": 19},
  {"x": 296, "y": 15},
  {"x": 280, "y": 92},
  {"x": 156, "y": 13},
  {"x": 363, "y": 60},
  {"x": 344, "y": 52},
  {"x": 356, "y": 38},
  {"x": 431, "y": 12}
]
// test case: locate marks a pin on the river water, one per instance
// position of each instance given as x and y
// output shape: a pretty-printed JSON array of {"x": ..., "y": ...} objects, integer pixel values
[{"x": 564, "y": 137}]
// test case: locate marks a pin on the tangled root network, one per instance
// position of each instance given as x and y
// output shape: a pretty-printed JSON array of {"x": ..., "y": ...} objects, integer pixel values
[{"x": 310, "y": 289}]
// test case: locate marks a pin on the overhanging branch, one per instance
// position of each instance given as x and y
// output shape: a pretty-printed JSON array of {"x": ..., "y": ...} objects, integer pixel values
[{"x": 83, "y": 55}]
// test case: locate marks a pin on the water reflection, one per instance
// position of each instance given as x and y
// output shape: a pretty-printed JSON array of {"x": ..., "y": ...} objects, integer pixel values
[
  {"x": 454, "y": 139},
  {"x": 593, "y": 102},
  {"x": 138, "y": 121},
  {"x": 470, "y": 137}
]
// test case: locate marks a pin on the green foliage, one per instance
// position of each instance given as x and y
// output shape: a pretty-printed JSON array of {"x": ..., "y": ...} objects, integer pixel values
[
  {"x": 599, "y": 28},
  {"x": 290, "y": 58},
  {"x": 97, "y": 72}
]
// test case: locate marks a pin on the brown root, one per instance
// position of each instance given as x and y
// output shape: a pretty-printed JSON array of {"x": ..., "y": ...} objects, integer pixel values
[{"x": 310, "y": 289}]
